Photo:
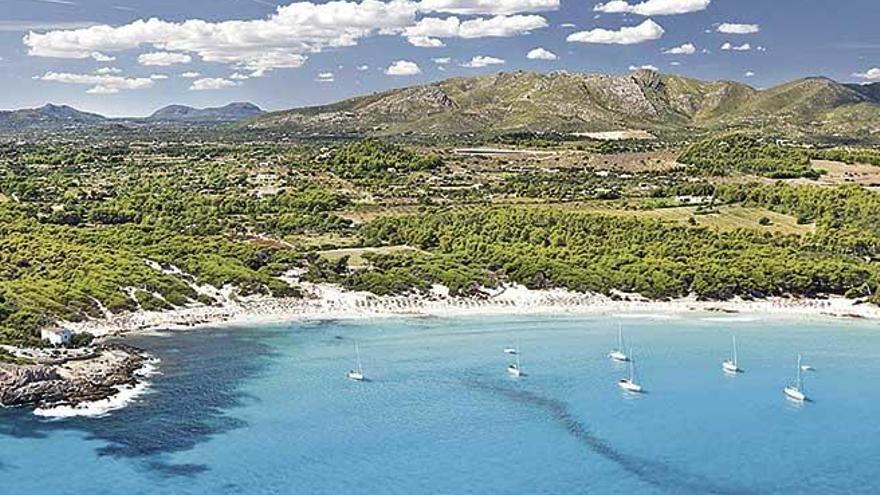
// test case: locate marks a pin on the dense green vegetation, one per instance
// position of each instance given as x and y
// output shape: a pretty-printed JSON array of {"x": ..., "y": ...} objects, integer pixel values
[
  {"x": 747, "y": 153},
  {"x": 848, "y": 155},
  {"x": 573, "y": 184},
  {"x": 585, "y": 252},
  {"x": 372, "y": 158},
  {"x": 76, "y": 235},
  {"x": 87, "y": 229}
]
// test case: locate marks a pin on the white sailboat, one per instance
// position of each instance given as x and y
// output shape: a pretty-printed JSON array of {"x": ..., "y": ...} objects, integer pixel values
[
  {"x": 619, "y": 354},
  {"x": 515, "y": 369},
  {"x": 796, "y": 391},
  {"x": 730, "y": 365},
  {"x": 629, "y": 384},
  {"x": 510, "y": 350},
  {"x": 357, "y": 373}
]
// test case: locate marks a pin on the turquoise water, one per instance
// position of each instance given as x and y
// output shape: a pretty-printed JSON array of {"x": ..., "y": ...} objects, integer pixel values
[{"x": 268, "y": 410}]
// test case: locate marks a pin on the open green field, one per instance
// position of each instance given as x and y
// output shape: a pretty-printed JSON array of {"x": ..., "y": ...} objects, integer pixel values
[{"x": 726, "y": 218}]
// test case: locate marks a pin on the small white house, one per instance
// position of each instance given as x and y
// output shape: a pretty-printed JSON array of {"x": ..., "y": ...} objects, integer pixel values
[{"x": 56, "y": 336}]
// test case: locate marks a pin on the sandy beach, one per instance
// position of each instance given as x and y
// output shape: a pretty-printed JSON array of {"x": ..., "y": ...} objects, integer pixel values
[{"x": 324, "y": 301}]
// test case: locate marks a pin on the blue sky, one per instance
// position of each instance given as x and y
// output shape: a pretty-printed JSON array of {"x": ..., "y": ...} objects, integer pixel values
[{"x": 104, "y": 56}]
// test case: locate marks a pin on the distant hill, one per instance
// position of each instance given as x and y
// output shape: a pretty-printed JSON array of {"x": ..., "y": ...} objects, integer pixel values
[
  {"x": 183, "y": 114},
  {"x": 571, "y": 102},
  {"x": 48, "y": 117},
  {"x": 872, "y": 90}
]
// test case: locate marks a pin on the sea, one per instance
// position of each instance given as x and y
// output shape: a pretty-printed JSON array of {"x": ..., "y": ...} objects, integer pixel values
[{"x": 267, "y": 409}]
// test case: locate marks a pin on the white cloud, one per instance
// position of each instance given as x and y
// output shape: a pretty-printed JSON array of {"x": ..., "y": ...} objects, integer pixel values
[
  {"x": 212, "y": 83},
  {"x": 326, "y": 77},
  {"x": 282, "y": 40},
  {"x": 108, "y": 70},
  {"x": 685, "y": 49},
  {"x": 653, "y": 7},
  {"x": 403, "y": 68},
  {"x": 238, "y": 76},
  {"x": 750, "y": 74},
  {"x": 493, "y": 7},
  {"x": 644, "y": 67},
  {"x": 482, "y": 61},
  {"x": 871, "y": 75},
  {"x": 568, "y": 25},
  {"x": 190, "y": 75},
  {"x": 101, "y": 83},
  {"x": 426, "y": 42},
  {"x": 158, "y": 77},
  {"x": 541, "y": 54},
  {"x": 100, "y": 57},
  {"x": 737, "y": 48},
  {"x": 442, "y": 60},
  {"x": 429, "y": 30},
  {"x": 731, "y": 28},
  {"x": 675, "y": 63},
  {"x": 646, "y": 31},
  {"x": 163, "y": 59},
  {"x": 363, "y": 67}
]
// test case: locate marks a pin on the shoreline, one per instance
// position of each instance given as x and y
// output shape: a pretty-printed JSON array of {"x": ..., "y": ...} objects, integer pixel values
[
  {"x": 107, "y": 379},
  {"x": 127, "y": 377},
  {"x": 329, "y": 302}
]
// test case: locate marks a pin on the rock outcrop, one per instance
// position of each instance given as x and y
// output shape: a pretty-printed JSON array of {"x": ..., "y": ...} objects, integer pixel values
[{"x": 71, "y": 382}]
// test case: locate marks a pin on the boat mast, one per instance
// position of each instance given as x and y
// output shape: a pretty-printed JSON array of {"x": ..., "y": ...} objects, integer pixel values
[
  {"x": 735, "y": 362},
  {"x": 799, "y": 387},
  {"x": 357, "y": 352},
  {"x": 632, "y": 367}
]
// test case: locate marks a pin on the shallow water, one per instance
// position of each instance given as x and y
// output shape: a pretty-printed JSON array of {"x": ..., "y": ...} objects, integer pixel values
[{"x": 268, "y": 410}]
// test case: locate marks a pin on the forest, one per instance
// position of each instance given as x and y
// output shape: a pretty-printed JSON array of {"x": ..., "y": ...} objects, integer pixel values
[{"x": 92, "y": 229}]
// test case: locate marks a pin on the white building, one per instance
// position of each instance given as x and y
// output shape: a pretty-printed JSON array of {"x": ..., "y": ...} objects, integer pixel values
[{"x": 56, "y": 336}]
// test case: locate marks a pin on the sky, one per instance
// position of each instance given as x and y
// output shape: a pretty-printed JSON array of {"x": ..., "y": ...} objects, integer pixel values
[{"x": 130, "y": 57}]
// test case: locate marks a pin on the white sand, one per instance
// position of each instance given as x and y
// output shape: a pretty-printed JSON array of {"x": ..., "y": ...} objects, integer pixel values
[{"x": 325, "y": 301}]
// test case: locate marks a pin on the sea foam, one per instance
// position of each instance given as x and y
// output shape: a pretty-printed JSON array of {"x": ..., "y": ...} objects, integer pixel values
[{"x": 101, "y": 408}]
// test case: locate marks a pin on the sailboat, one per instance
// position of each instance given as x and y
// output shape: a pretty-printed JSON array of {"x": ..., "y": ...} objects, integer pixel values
[
  {"x": 357, "y": 373},
  {"x": 514, "y": 369},
  {"x": 618, "y": 354},
  {"x": 796, "y": 391},
  {"x": 629, "y": 384},
  {"x": 730, "y": 365},
  {"x": 510, "y": 350}
]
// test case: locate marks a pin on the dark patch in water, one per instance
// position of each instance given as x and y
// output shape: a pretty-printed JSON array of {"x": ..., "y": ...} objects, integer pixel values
[
  {"x": 169, "y": 470},
  {"x": 201, "y": 373},
  {"x": 655, "y": 473}
]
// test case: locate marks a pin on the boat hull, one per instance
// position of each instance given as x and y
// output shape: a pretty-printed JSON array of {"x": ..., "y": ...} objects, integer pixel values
[
  {"x": 618, "y": 356},
  {"x": 730, "y": 368},
  {"x": 629, "y": 386},
  {"x": 794, "y": 394},
  {"x": 356, "y": 376}
]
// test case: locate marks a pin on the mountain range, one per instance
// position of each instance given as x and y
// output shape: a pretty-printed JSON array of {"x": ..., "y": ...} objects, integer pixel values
[
  {"x": 229, "y": 113},
  {"x": 62, "y": 117},
  {"x": 663, "y": 104},
  {"x": 569, "y": 102}
]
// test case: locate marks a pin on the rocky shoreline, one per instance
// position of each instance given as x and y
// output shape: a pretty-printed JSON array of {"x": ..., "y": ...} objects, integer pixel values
[{"x": 54, "y": 382}]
